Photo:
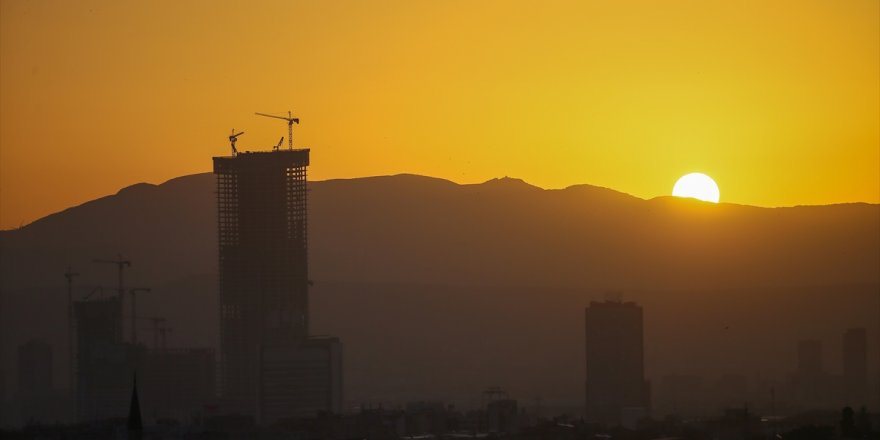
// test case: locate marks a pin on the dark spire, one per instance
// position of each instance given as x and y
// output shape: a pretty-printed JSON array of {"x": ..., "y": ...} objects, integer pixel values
[{"x": 134, "y": 410}]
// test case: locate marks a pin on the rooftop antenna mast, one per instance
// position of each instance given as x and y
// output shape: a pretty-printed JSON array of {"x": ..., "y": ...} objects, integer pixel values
[
  {"x": 232, "y": 138},
  {"x": 290, "y": 121}
]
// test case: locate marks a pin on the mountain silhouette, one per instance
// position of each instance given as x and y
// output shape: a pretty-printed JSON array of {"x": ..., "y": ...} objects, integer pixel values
[{"x": 440, "y": 289}]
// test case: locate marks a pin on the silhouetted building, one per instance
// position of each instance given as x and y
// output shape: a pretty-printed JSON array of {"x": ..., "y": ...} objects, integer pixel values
[
  {"x": 104, "y": 364},
  {"x": 855, "y": 365},
  {"x": 502, "y": 416},
  {"x": 263, "y": 281},
  {"x": 427, "y": 417},
  {"x": 616, "y": 386},
  {"x": 302, "y": 380}
]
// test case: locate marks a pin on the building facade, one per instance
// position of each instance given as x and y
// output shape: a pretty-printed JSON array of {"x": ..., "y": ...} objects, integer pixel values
[
  {"x": 263, "y": 290},
  {"x": 301, "y": 381},
  {"x": 616, "y": 390}
]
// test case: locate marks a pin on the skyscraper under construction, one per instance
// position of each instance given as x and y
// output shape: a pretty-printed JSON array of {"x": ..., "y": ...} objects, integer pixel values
[{"x": 263, "y": 280}]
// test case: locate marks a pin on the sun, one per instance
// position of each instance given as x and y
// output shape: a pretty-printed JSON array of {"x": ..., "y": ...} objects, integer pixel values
[{"x": 697, "y": 186}]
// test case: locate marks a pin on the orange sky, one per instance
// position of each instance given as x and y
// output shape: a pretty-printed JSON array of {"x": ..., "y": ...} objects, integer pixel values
[{"x": 779, "y": 101}]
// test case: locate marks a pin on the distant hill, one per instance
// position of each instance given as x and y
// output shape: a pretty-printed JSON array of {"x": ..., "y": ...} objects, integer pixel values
[{"x": 441, "y": 289}]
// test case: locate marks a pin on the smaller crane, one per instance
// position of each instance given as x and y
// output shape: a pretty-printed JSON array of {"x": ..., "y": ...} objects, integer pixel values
[
  {"x": 278, "y": 145},
  {"x": 156, "y": 321},
  {"x": 98, "y": 289},
  {"x": 164, "y": 332},
  {"x": 232, "y": 139},
  {"x": 121, "y": 264},
  {"x": 290, "y": 121}
]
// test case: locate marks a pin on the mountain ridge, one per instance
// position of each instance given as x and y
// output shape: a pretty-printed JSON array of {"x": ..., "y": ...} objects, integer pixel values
[
  {"x": 494, "y": 181},
  {"x": 497, "y": 274}
]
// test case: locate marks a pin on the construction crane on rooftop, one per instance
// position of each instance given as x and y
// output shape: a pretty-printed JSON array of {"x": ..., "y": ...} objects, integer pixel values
[
  {"x": 232, "y": 139},
  {"x": 290, "y": 121}
]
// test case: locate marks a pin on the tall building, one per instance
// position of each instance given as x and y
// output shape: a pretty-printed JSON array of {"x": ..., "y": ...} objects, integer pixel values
[
  {"x": 616, "y": 390},
  {"x": 855, "y": 365},
  {"x": 263, "y": 280}
]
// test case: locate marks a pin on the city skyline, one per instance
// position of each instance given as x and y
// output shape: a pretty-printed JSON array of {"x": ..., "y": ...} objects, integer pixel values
[{"x": 627, "y": 220}]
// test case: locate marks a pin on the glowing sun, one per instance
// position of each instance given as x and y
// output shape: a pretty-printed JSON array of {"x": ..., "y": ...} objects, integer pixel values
[{"x": 697, "y": 186}]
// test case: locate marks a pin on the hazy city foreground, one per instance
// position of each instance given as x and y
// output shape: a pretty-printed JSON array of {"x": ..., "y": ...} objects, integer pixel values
[{"x": 441, "y": 289}]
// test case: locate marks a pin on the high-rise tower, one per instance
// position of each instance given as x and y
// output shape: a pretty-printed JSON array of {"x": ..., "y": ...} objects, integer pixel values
[
  {"x": 263, "y": 265},
  {"x": 616, "y": 390}
]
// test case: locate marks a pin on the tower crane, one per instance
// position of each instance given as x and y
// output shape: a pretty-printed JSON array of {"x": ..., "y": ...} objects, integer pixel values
[
  {"x": 232, "y": 139},
  {"x": 134, "y": 292},
  {"x": 156, "y": 329},
  {"x": 290, "y": 121},
  {"x": 164, "y": 332},
  {"x": 121, "y": 263},
  {"x": 98, "y": 289}
]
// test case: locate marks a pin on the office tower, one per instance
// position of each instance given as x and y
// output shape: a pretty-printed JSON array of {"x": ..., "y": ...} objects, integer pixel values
[
  {"x": 616, "y": 390},
  {"x": 263, "y": 280},
  {"x": 855, "y": 365}
]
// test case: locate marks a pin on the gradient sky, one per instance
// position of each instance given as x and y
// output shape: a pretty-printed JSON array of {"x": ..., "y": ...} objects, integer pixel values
[{"x": 778, "y": 101}]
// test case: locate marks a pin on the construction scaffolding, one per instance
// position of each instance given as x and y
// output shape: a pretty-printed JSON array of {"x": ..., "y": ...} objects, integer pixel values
[{"x": 263, "y": 262}]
